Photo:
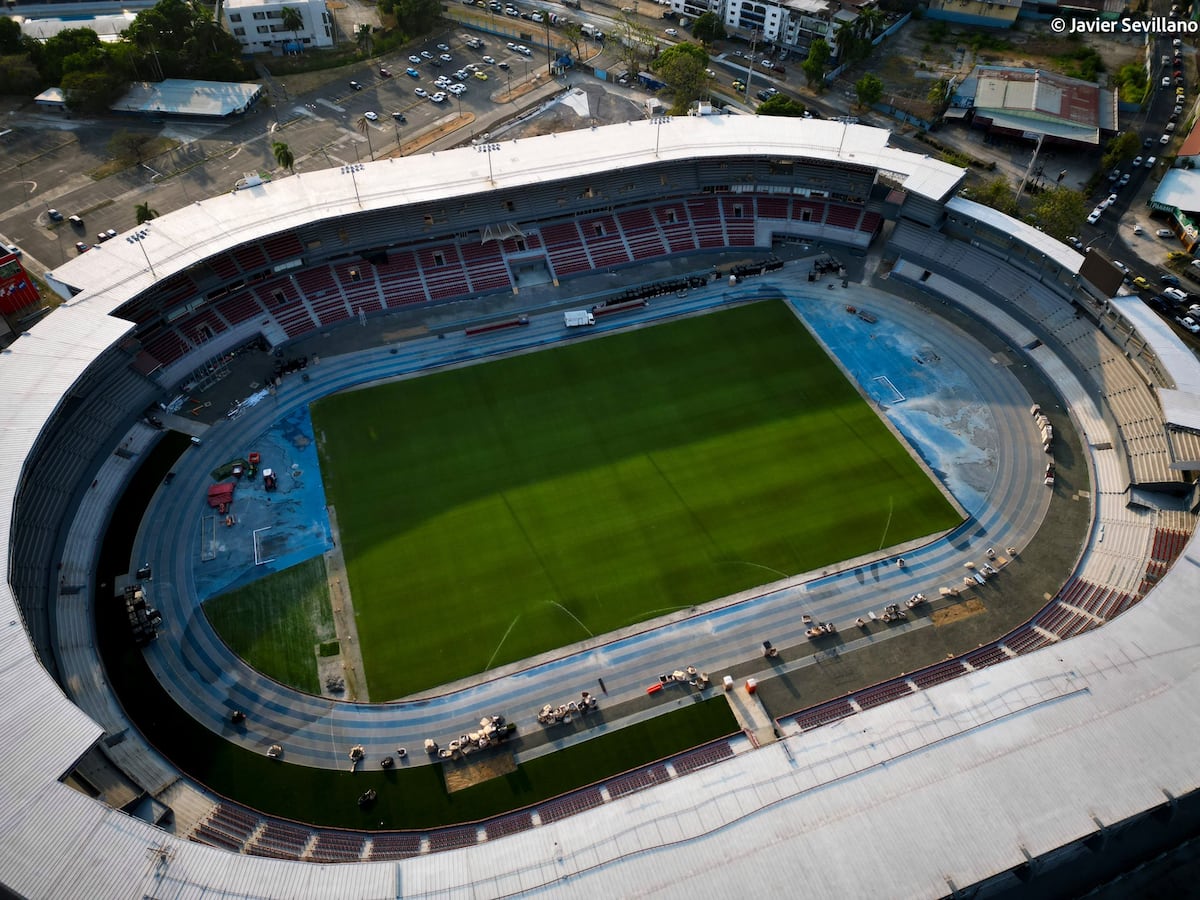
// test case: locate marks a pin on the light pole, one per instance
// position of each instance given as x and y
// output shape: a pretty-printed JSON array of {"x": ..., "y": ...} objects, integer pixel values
[
  {"x": 350, "y": 170},
  {"x": 659, "y": 122},
  {"x": 488, "y": 150},
  {"x": 399, "y": 146},
  {"x": 137, "y": 238},
  {"x": 750, "y": 69}
]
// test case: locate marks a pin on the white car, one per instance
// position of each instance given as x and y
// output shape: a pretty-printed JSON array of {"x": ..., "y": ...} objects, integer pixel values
[
  {"x": 1165, "y": 139},
  {"x": 426, "y": 54},
  {"x": 446, "y": 57},
  {"x": 13, "y": 249},
  {"x": 1189, "y": 323},
  {"x": 1120, "y": 265},
  {"x": 457, "y": 89},
  {"x": 671, "y": 32},
  {"x": 491, "y": 61},
  {"x": 1150, "y": 161},
  {"x": 414, "y": 59},
  {"x": 1095, "y": 216},
  {"x": 443, "y": 47},
  {"x": 439, "y": 97},
  {"x": 1166, "y": 82},
  {"x": 511, "y": 46},
  {"x": 370, "y": 116},
  {"x": 523, "y": 50},
  {"x": 421, "y": 92},
  {"x": 1175, "y": 294},
  {"x": 1165, "y": 233},
  {"x": 462, "y": 74},
  {"x": 1137, "y": 161}
]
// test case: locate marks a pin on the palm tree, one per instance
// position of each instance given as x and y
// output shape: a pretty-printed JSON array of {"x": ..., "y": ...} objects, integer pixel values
[
  {"x": 283, "y": 156},
  {"x": 144, "y": 213},
  {"x": 364, "y": 127},
  {"x": 292, "y": 20},
  {"x": 362, "y": 35}
]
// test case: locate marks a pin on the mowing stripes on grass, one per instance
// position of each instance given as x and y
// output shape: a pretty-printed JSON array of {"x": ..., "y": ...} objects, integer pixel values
[
  {"x": 276, "y": 622},
  {"x": 607, "y": 480}
]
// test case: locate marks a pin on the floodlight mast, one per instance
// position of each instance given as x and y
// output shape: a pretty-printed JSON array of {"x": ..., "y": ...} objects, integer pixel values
[{"x": 488, "y": 149}]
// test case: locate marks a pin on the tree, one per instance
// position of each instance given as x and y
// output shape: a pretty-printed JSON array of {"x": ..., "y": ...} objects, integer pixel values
[
  {"x": 684, "y": 70},
  {"x": 708, "y": 28},
  {"x": 1059, "y": 211},
  {"x": 868, "y": 89},
  {"x": 362, "y": 36},
  {"x": 284, "y": 157},
  {"x": 364, "y": 127},
  {"x": 998, "y": 194},
  {"x": 814, "y": 64},
  {"x": 573, "y": 34},
  {"x": 144, "y": 213},
  {"x": 50, "y": 55},
  {"x": 92, "y": 92},
  {"x": 292, "y": 20},
  {"x": 939, "y": 94},
  {"x": 416, "y": 16},
  {"x": 130, "y": 145},
  {"x": 1120, "y": 149},
  {"x": 780, "y": 105},
  {"x": 10, "y": 38}
]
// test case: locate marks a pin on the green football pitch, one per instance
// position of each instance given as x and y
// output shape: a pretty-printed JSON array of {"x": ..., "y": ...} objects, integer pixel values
[{"x": 496, "y": 511}]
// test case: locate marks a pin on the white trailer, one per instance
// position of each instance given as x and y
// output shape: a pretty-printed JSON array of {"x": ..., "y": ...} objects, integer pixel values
[{"x": 573, "y": 318}]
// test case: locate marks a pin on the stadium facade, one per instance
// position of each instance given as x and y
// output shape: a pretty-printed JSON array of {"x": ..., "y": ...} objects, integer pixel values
[{"x": 1010, "y": 769}]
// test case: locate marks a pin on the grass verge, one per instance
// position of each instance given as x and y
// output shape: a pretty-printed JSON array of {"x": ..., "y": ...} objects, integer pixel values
[{"x": 275, "y": 622}]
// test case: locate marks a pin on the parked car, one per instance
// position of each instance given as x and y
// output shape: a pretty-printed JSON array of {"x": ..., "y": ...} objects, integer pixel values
[
  {"x": 1075, "y": 242},
  {"x": 76, "y": 221},
  {"x": 482, "y": 76},
  {"x": 491, "y": 61},
  {"x": 11, "y": 248},
  {"x": 81, "y": 247},
  {"x": 1124, "y": 180},
  {"x": 446, "y": 57},
  {"x": 1150, "y": 161},
  {"x": 385, "y": 72},
  {"x": 445, "y": 48},
  {"x": 1120, "y": 265},
  {"x": 1175, "y": 294},
  {"x": 412, "y": 73},
  {"x": 425, "y": 54},
  {"x": 106, "y": 235},
  {"x": 1189, "y": 323},
  {"x": 55, "y": 215},
  {"x": 400, "y": 117},
  {"x": 1165, "y": 233},
  {"x": 671, "y": 32},
  {"x": 1094, "y": 217},
  {"x": 503, "y": 65},
  {"x": 421, "y": 92},
  {"x": 1141, "y": 283},
  {"x": 1137, "y": 161},
  {"x": 414, "y": 59},
  {"x": 457, "y": 89},
  {"x": 371, "y": 116},
  {"x": 1169, "y": 279},
  {"x": 1166, "y": 82},
  {"x": 355, "y": 86}
]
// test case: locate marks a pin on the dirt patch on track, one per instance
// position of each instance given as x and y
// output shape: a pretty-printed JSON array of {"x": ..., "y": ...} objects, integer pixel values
[{"x": 958, "y": 612}]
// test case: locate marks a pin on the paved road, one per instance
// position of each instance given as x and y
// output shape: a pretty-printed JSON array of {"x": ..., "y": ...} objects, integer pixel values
[{"x": 207, "y": 680}]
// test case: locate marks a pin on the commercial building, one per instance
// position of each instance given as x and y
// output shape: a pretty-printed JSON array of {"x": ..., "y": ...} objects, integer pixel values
[{"x": 1034, "y": 104}]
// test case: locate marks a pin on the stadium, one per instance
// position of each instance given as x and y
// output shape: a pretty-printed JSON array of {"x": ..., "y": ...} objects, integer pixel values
[{"x": 1056, "y": 754}]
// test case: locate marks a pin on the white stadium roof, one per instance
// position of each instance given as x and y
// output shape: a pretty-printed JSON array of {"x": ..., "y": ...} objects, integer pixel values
[
  {"x": 115, "y": 271},
  {"x": 917, "y": 797}
]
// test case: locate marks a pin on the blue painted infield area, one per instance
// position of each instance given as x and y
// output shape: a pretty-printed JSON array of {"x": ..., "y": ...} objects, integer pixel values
[
  {"x": 929, "y": 399},
  {"x": 291, "y": 523}
]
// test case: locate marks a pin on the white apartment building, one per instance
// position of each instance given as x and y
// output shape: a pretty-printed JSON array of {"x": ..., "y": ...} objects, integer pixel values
[
  {"x": 788, "y": 24},
  {"x": 258, "y": 25}
]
